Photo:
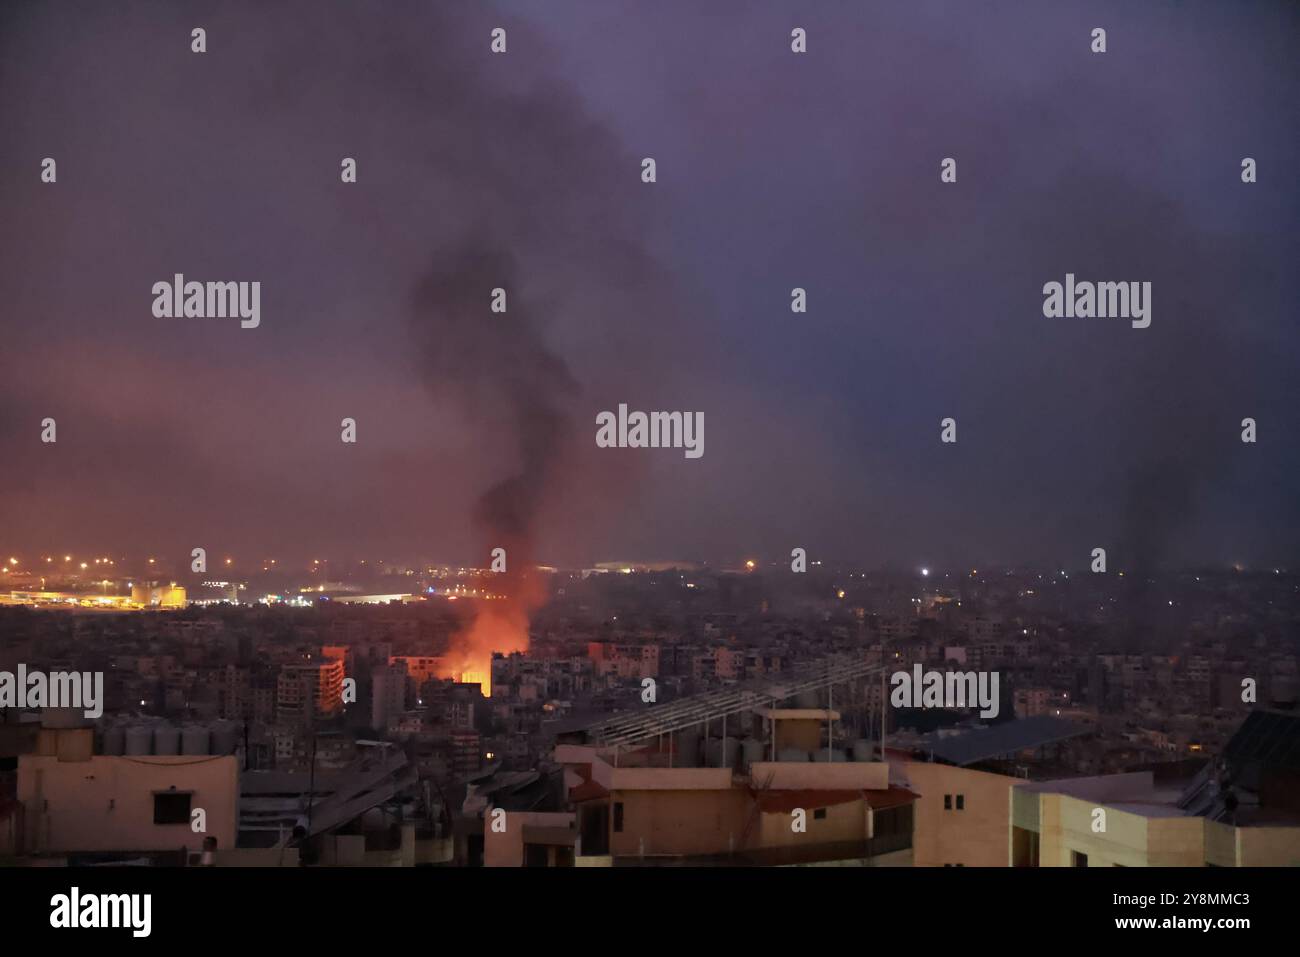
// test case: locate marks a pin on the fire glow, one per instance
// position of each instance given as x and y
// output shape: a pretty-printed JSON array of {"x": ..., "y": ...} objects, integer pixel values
[{"x": 497, "y": 626}]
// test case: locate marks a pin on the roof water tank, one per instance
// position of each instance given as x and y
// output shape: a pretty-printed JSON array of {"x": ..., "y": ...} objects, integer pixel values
[
  {"x": 114, "y": 740},
  {"x": 166, "y": 739},
  {"x": 792, "y": 754},
  {"x": 722, "y": 752},
  {"x": 836, "y": 755},
  {"x": 195, "y": 739},
  {"x": 139, "y": 739},
  {"x": 225, "y": 737}
]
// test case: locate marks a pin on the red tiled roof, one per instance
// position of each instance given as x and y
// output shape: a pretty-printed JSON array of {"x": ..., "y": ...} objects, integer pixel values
[
  {"x": 893, "y": 797},
  {"x": 786, "y": 800},
  {"x": 588, "y": 791}
]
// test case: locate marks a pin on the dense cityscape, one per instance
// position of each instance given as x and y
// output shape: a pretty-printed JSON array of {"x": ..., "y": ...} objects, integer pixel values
[
  {"x": 583, "y": 469},
  {"x": 345, "y": 721}
]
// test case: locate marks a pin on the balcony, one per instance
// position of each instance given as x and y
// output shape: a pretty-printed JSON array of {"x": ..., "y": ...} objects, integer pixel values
[{"x": 834, "y": 853}]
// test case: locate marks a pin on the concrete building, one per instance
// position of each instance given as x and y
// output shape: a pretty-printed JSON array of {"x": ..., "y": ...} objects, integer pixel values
[
  {"x": 76, "y": 802},
  {"x": 774, "y": 813},
  {"x": 1239, "y": 810},
  {"x": 306, "y": 691},
  {"x": 387, "y": 694},
  {"x": 963, "y": 816}
]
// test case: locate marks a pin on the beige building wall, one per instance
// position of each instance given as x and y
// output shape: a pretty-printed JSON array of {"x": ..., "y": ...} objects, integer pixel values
[
  {"x": 1129, "y": 840},
  {"x": 977, "y": 836},
  {"x": 843, "y": 822},
  {"x": 1065, "y": 827},
  {"x": 1175, "y": 842},
  {"x": 1136, "y": 840},
  {"x": 506, "y": 848},
  {"x": 1221, "y": 845},
  {"x": 679, "y": 822},
  {"x": 1268, "y": 846},
  {"x": 105, "y": 803},
  {"x": 803, "y": 733}
]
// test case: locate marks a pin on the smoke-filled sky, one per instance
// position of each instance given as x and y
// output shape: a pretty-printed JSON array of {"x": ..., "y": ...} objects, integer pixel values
[{"x": 774, "y": 170}]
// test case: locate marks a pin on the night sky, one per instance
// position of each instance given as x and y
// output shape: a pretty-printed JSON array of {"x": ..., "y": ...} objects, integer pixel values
[{"x": 775, "y": 170}]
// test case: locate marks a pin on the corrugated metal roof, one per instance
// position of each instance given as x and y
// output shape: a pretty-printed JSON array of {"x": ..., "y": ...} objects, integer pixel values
[{"x": 992, "y": 741}]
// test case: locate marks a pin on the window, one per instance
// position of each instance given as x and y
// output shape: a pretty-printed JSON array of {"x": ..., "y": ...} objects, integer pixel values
[
  {"x": 961, "y": 802},
  {"x": 947, "y": 802},
  {"x": 894, "y": 820},
  {"x": 819, "y": 814},
  {"x": 618, "y": 817},
  {"x": 172, "y": 807}
]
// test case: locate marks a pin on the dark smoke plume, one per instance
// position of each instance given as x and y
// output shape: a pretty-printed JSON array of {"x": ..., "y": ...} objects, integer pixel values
[{"x": 498, "y": 366}]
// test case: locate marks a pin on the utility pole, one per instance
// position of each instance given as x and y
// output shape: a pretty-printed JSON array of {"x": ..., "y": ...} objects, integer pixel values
[
  {"x": 884, "y": 697},
  {"x": 830, "y": 723},
  {"x": 311, "y": 783}
]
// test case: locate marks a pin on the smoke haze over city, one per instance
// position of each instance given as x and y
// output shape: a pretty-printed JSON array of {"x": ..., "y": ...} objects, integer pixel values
[{"x": 774, "y": 172}]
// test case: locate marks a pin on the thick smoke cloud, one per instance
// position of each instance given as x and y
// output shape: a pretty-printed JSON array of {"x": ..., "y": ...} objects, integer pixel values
[
  {"x": 775, "y": 171},
  {"x": 503, "y": 374}
]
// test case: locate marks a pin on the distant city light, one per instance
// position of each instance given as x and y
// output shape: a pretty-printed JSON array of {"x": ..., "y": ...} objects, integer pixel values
[{"x": 925, "y": 573}]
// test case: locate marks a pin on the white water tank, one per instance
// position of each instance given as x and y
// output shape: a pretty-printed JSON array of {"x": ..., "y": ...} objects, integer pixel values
[
  {"x": 195, "y": 739},
  {"x": 225, "y": 737},
  {"x": 862, "y": 750},
  {"x": 166, "y": 739},
  {"x": 114, "y": 740},
  {"x": 139, "y": 739},
  {"x": 722, "y": 752}
]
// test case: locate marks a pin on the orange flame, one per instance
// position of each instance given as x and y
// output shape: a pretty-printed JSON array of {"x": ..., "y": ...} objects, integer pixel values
[{"x": 498, "y": 626}]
